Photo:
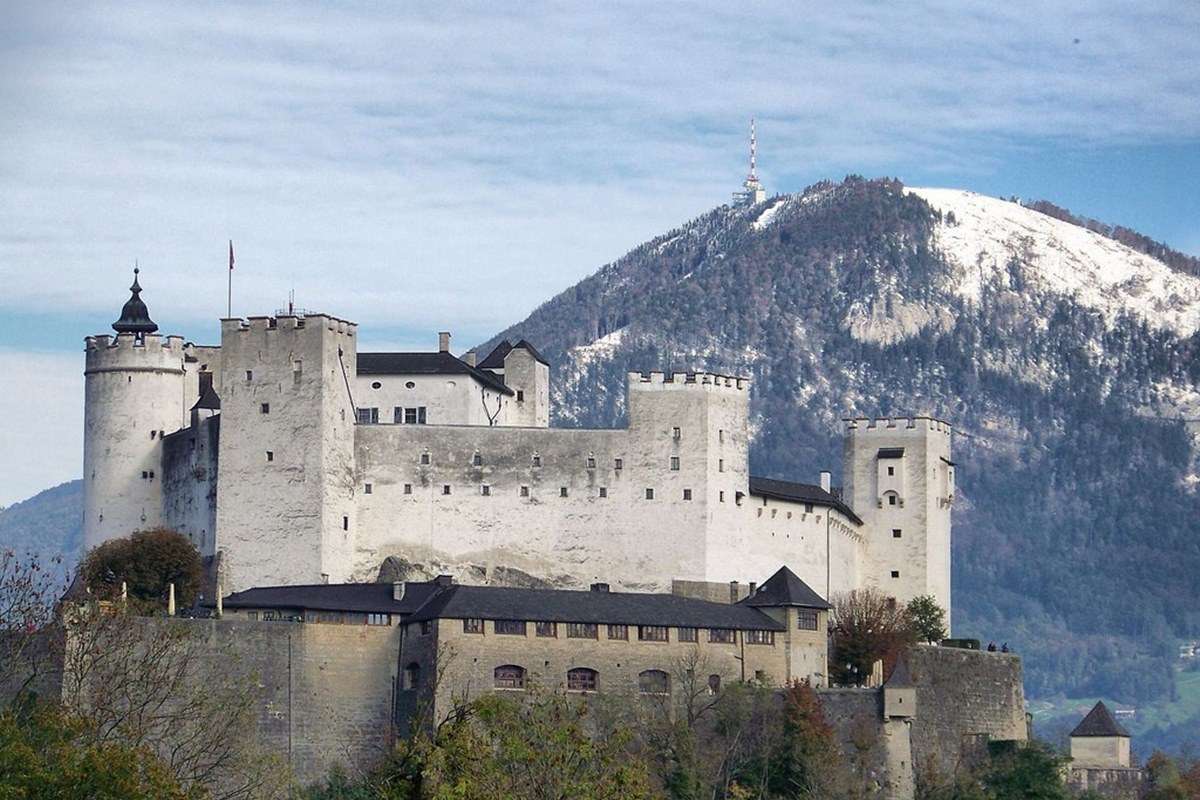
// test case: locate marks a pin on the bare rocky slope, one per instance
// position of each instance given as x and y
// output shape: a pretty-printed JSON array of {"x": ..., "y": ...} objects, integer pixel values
[{"x": 1068, "y": 362}]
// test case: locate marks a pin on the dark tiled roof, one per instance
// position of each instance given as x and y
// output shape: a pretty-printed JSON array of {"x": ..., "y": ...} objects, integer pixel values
[
  {"x": 364, "y": 597},
  {"x": 617, "y": 608},
  {"x": 426, "y": 364},
  {"x": 1099, "y": 722},
  {"x": 799, "y": 493},
  {"x": 891, "y": 452},
  {"x": 208, "y": 398},
  {"x": 901, "y": 677},
  {"x": 495, "y": 359},
  {"x": 525, "y": 345},
  {"x": 785, "y": 588}
]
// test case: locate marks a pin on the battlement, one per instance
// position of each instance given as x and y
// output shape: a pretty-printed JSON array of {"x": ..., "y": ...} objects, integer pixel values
[
  {"x": 287, "y": 322},
  {"x": 868, "y": 425},
  {"x": 688, "y": 381},
  {"x": 105, "y": 353}
]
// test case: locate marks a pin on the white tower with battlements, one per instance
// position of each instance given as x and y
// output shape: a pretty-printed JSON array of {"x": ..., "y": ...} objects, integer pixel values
[{"x": 134, "y": 393}]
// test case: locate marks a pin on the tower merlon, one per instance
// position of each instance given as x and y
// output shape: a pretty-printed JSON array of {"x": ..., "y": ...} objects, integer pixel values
[
  {"x": 233, "y": 325},
  {"x": 687, "y": 381},
  {"x": 871, "y": 424}
]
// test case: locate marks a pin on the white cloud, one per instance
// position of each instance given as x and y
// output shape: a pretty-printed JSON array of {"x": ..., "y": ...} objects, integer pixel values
[{"x": 41, "y": 422}]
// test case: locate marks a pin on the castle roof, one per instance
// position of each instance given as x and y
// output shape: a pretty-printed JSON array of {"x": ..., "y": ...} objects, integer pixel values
[
  {"x": 597, "y": 606},
  {"x": 209, "y": 400},
  {"x": 1099, "y": 722},
  {"x": 363, "y": 597},
  {"x": 800, "y": 493},
  {"x": 426, "y": 364},
  {"x": 785, "y": 588},
  {"x": 495, "y": 359},
  {"x": 135, "y": 317}
]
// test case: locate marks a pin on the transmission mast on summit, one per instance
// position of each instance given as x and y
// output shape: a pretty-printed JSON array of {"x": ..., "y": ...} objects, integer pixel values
[{"x": 752, "y": 190}]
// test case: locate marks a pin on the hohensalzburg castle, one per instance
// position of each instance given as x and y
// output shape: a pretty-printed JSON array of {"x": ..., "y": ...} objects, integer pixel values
[{"x": 289, "y": 457}]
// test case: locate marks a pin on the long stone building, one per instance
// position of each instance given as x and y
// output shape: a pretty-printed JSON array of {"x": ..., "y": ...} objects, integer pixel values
[{"x": 288, "y": 457}]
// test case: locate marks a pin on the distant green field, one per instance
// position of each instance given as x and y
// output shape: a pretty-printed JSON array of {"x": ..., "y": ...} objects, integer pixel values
[{"x": 1146, "y": 717}]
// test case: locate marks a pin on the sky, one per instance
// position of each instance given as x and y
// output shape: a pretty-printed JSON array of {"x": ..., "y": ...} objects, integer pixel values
[{"x": 425, "y": 166}]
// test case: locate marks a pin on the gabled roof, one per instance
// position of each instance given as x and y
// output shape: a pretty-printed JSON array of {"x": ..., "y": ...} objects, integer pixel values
[
  {"x": 891, "y": 452},
  {"x": 426, "y": 364},
  {"x": 785, "y": 588},
  {"x": 800, "y": 493},
  {"x": 616, "y": 608},
  {"x": 495, "y": 359},
  {"x": 1099, "y": 722},
  {"x": 363, "y": 597},
  {"x": 525, "y": 345}
]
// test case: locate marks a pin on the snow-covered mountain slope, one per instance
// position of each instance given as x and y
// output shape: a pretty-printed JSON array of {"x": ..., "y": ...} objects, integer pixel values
[
  {"x": 983, "y": 235},
  {"x": 1068, "y": 364}
]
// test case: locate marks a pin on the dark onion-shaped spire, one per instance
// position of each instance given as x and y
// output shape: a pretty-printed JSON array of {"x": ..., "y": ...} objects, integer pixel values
[{"x": 135, "y": 317}]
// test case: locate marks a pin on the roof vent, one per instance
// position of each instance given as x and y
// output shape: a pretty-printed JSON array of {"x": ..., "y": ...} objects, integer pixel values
[{"x": 599, "y": 587}]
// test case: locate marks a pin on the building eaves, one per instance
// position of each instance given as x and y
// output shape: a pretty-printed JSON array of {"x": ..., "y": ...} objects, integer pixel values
[
  {"x": 800, "y": 493},
  {"x": 360, "y": 597}
]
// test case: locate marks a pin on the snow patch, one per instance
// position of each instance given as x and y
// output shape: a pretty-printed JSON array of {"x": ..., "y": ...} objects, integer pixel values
[
  {"x": 601, "y": 349},
  {"x": 1100, "y": 273},
  {"x": 870, "y": 322},
  {"x": 768, "y": 214}
]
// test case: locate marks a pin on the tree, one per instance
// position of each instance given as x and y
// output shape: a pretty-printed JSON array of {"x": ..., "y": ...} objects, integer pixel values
[
  {"x": 27, "y": 594},
  {"x": 1031, "y": 772},
  {"x": 868, "y": 626},
  {"x": 806, "y": 758},
  {"x": 46, "y": 753},
  {"x": 146, "y": 562},
  {"x": 927, "y": 619}
]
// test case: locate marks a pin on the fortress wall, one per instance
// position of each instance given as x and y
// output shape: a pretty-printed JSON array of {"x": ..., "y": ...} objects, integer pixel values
[
  {"x": 189, "y": 481},
  {"x": 962, "y": 694},
  {"x": 448, "y": 399}
]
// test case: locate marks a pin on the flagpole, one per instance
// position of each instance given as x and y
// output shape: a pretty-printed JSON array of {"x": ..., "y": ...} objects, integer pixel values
[{"x": 229, "y": 297}]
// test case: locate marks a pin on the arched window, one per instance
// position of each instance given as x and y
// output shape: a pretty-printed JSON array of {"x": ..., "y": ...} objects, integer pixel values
[
  {"x": 654, "y": 681},
  {"x": 582, "y": 679},
  {"x": 412, "y": 676},
  {"x": 509, "y": 676}
]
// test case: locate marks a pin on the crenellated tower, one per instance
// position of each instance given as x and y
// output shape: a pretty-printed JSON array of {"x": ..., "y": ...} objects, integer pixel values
[
  {"x": 134, "y": 393},
  {"x": 899, "y": 478}
]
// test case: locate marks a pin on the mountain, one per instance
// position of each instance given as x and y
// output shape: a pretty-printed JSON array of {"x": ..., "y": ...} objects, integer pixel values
[
  {"x": 48, "y": 525},
  {"x": 1067, "y": 361}
]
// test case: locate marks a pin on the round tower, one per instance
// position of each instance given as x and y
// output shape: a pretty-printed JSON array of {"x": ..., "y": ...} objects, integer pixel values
[{"x": 133, "y": 395}]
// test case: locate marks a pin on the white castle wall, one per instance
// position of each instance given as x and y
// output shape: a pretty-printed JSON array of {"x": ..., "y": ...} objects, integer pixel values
[
  {"x": 924, "y": 485},
  {"x": 134, "y": 392},
  {"x": 289, "y": 519},
  {"x": 448, "y": 399},
  {"x": 531, "y": 378}
]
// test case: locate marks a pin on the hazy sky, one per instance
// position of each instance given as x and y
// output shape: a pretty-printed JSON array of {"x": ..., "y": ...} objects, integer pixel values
[{"x": 415, "y": 168}]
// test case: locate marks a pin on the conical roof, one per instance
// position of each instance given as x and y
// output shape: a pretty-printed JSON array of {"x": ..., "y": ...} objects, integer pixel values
[
  {"x": 135, "y": 317},
  {"x": 1099, "y": 722},
  {"x": 785, "y": 588}
]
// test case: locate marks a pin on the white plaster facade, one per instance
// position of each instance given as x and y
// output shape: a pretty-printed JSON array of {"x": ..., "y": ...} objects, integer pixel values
[{"x": 306, "y": 493}]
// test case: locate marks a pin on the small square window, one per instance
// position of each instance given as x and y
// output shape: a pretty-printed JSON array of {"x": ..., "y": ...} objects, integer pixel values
[
  {"x": 265, "y": 408},
  {"x": 537, "y": 461},
  {"x": 806, "y": 619},
  {"x": 687, "y": 494},
  {"x": 485, "y": 490},
  {"x": 477, "y": 460},
  {"x": 366, "y": 488},
  {"x": 620, "y": 632},
  {"x": 687, "y": 634},
  {"x": 604, "y": 491},
  {"x": 546, "y": 629},
  {"x": 891, "y": 499},
  {"x": 808, "y": 508},
  {"x": 591, "y": 462},
  {"x": 676, "y": 433},
  {"x": 445, "y": 488},
  {"x": 895, "y": 573},
  {"x": 721, "y": 435},
  {"x": 425, "y": 458},
  {"x": 270, "y": 455},
  {"x": 410, "y": 416},
  {"x": 895, "y": 533},
  {"x": 720, "y": 465},
  {"x": 408, "y": 488},
  {"x": 345, "y": 523},
  {"x": 145, "y": 475},
  {"x": 520, "y": 396},
  {"x": 891, "y": 470},
  {"x": 649, "y": 494},
  {"x": 420, "y": 415},
  {"x": 524, "y": 491},
  {"x": 618, "y": 463},
  {"x": 249, "y": 375},
  {"x": 721, "y": 497},
  {"x": 562, "y": 491},
  {"x": 675, "y": 463},
  {"x": 472, "y": 625}
]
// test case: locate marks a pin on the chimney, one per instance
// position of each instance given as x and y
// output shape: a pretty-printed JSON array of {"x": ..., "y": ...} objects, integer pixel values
[
  {"x": 753, "y": 588},
  {"x": 826, "y": 480},
  {"x": 444, "y": 342},
  {"x": 397, "y": 590},
  {"x": 733, "y": 591},
  {"x": 599, "y": 587},
  {"x": 470, "y": 358}
]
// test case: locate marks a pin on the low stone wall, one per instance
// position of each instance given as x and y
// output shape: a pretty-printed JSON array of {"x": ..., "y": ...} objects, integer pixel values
[{"x": 1118, "y": 783}]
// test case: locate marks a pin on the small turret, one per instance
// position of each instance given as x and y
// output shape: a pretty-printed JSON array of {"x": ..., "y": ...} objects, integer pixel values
[{"x": 135, "y": 317}]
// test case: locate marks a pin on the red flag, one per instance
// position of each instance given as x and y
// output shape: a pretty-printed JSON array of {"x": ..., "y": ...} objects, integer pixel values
[{"x": 231, "y": 255}]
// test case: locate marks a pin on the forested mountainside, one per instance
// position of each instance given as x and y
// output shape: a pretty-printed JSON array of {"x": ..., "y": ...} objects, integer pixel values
[
  {"x": 48, "y": 525},
  {"x": 1068, "y": 362}
]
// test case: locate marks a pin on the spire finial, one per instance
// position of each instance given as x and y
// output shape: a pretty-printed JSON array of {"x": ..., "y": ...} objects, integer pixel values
[{"x": 135, "y": 318}]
